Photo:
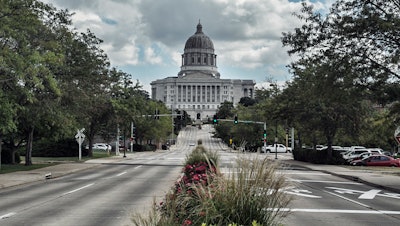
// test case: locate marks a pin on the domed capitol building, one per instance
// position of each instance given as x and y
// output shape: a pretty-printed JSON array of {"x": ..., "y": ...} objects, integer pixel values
[{"x": 198, "y": 88}]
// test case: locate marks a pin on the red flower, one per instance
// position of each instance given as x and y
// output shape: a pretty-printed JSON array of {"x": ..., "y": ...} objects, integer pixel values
[{"x": 187, "y": 222}]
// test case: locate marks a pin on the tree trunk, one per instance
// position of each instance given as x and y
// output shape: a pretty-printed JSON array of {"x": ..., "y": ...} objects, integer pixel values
[{"x": 28, "y": 152}]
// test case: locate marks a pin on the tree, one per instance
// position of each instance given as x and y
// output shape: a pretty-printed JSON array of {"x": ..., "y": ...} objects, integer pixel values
[
  {"x": 225, "y": 110},
  {"x": 363, "y": 32},
  {"x": 355, "y": 47},
  {"x": 247, "y": 101},
  {"x": 31, "y": 51}
]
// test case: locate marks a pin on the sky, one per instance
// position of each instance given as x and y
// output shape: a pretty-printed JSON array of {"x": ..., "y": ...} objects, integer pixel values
[{"x": 146, "y": 38}]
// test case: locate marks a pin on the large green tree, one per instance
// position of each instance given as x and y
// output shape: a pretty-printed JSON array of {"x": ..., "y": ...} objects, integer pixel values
[
  {"x": 29, "y": 39},
  {"x": 364, "y": 32},
  {"x": 356, "y": 46}
]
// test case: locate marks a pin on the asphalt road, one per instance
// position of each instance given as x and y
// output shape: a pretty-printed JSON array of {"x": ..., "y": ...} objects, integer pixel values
[
  {"x": 103, "y": 195},
  {"x": 324, "y": 199},
  {"x": 110, "y": 193}
]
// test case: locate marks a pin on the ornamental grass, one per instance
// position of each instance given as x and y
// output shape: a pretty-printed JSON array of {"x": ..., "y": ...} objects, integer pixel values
[{"x": 251, "y": 193}]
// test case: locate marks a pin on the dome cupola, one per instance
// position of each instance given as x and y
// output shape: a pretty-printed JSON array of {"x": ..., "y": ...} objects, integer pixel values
[
  {"x": 199, "y": 55},
  {"x": 199, "y": 40}
]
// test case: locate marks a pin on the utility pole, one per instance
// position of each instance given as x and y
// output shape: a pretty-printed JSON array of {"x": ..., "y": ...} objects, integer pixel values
[{"x": 276, "y": 139}]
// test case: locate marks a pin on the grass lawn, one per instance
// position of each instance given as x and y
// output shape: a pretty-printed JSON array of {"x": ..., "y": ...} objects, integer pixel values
[
  {"x": 40, "y": 162},
  {"x": 22, "y": 167}
]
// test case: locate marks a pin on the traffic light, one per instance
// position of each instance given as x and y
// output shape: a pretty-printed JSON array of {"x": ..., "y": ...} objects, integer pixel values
[
  {"x": 156, "y": 113},
  {"x": 236, "y": 120},
  {"x": 179, "y": 115},
  {"x": 265, "y": 133},
  {"x": 215, "y": 120}
]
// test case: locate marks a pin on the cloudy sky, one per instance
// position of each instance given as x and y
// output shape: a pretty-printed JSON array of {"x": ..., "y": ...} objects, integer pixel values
[{"x": 146, "y": 38}]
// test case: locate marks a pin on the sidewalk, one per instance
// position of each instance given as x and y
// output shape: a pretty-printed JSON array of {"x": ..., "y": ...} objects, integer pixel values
[{"x": 382, "y": 180}]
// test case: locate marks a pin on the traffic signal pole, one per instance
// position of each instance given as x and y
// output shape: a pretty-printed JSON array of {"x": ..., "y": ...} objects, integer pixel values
[{"x": 249, "y": 122}]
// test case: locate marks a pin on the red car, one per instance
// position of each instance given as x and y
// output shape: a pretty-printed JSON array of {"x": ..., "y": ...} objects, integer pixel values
[{"x": 376, "y": 160}]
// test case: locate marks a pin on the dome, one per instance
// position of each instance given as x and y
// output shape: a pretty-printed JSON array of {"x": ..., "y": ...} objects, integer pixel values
[{"x": 199, "y": 40}]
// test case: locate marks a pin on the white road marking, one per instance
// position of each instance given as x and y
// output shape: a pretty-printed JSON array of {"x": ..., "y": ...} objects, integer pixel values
[
  {"x": 369, "y": 194},
  {"x": 86, "y": 186},
  {"x": 337, "y": 211},
  {"x": 323, "y": 181},
  {"x": 365, "y": 194},
  {"x": 120, "y": 174},
  {"x": 7, "y": 215},
  {"x": 303, "y": 195},
  {"x": 301, "y": 173},
  {"x": 353, "y": 201}
]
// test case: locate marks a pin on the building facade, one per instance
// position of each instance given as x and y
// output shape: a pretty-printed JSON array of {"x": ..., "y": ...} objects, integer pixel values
[{"x": 198, "y": 88}]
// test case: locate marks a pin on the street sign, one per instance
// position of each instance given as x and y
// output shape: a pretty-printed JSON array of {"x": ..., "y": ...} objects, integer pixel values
[{"x": 80, "y": 137}]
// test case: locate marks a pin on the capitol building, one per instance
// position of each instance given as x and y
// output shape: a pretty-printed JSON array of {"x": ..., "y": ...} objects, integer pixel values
[{"x": 198, "y": 88}]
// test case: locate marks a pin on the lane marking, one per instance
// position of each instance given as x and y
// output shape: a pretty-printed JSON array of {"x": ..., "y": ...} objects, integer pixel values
[
  {"x": 316, "y": 174},
  {"x": 303, "y": 195},
  {"x": 350, "y": 200},
  {"x": 120, "y": 174},
  {"x": 7, "y": 215},
  {"x": 78, "y": 189},
  {"x": 324, "y": 181},
  {"x": 391, "y": 212}
]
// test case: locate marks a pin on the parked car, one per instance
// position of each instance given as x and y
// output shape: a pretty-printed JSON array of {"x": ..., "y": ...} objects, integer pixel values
[
  {"x": 360, "y": 156},
  {"x": 101, "y": 147},
  {"x": 355, "y": 153},
  {"x": 377, "y": 160},
  {"x": 376, "y": 150},
  {"x": 278, "y": 148}
]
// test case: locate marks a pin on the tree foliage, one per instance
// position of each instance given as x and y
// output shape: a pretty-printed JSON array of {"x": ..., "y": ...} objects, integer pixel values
[
  {"x": 54, "y": 80},
  {"x": 346, "y": 60}
]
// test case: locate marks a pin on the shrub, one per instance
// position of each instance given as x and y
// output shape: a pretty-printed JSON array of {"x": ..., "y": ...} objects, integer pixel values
[
  {"x": 60, "y": 148},
  {"x": 6, "y": 156},
  {"x": 317, "y": 156}
]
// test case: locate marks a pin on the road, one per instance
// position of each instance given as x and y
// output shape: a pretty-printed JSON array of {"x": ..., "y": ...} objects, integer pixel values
[
  {"x": 108, "y": 194},
  {"x": 324, "y": 199}
]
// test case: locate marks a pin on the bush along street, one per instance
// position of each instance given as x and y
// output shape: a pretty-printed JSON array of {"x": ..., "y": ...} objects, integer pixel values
[{"x": 251, "y": 193}]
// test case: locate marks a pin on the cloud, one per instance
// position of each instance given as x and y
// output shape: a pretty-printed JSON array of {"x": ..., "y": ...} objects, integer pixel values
[{"x": 246, "y": 33}]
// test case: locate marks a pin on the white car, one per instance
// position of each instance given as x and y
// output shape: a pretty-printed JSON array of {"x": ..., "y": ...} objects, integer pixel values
[
  {"x": 279, "y": 148},
  {"x": 101, "y": 146}
]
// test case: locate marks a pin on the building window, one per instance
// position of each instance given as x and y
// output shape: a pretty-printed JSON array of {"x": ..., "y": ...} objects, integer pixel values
[
  {"x": 199, "y": 60},
  {"x": 192, "y": 60},
  {"x": 194, "y": 106}
]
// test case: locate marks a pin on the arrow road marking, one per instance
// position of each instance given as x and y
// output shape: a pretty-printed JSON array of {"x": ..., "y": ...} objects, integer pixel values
[{"x": 369, "y": 194}]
